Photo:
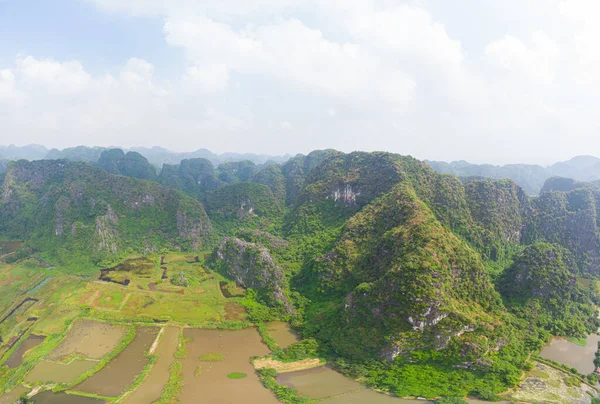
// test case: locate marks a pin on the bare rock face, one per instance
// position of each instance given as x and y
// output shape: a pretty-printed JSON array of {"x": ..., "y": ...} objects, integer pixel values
[
  {"x": 251, "y": 266},
  {"x": 192, "y": 229},
  {"x": 106, "y": 232}
]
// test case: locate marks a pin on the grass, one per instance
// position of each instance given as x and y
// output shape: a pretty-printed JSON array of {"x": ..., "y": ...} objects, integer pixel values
[
  {"x": 91, "y": 395},
  {"x": 285, "y": 394},
  {"x": 198, "y": 370},
  {"x": 578, "y": 341},
  {"x": 269, "y": 341},
  {"x": 67, "y": 297},
  {"x": 111, "y": 300},
  {"x": 201, "y": 304},
  {"x": 539, "y": 374},
  {"x": 139, "y": 379},
  {"x": 174, "y": 385},
  {"x": 182, "y": 348},
  {"x": 212, "y": 357},
  {"x": 236, "y": 375},
  {"x": 9, "y": 378}
]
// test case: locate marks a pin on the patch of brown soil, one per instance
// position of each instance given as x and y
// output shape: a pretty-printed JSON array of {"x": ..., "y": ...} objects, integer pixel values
[
  {"x": 235, "y": 311},
  {"x": 152, "y": 287},
  {"x": 286, "y": 367}
]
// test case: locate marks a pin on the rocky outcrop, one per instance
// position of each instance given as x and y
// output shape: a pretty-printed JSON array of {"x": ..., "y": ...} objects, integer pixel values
[
  {"x": 541, "y": 271},
  {"x": 84, "y": 210},
  {"x": 242, "y": 203},
  {"x": 251, "y": 266},
  {"x": 195, "y": 177},
  {"x": 132, "y": 164},
  {"x": 415, "y": 280},
  {"x": 569, "y": 219}
]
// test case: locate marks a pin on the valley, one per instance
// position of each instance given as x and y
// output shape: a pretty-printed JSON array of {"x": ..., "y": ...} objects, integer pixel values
[{"x": 362, "y": 277}]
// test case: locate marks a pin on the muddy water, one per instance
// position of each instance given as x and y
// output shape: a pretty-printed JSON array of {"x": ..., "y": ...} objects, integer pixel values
[
  {"x": 48, "y": 397},
  {"x": 13, "y": 395},
  {"x": 115, "y": 377},
  {"x": 55, "y": 372},
  {"x": 371, "y": 397},
  {"x": 578, "y": 357},
  {"x": 91, "y": 339},
  {"x": 31, "y": 342},
  {"x": 282, "y": 333},
  {"x": 319, "y": 382},
  {"x": 152, "y": 387},
  {"x": 212, "y": 385}
]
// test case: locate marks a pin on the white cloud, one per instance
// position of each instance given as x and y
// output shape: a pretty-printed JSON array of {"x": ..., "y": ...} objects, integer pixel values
[
  {"x": 416, "y": 77},
  {"x": 581, "y": 18},
  {"x": 287, "y": 51},
  {"x": 538, "y": 62},
  {"x": 7, "y": 86},
  {"x": 54, "y": 77}
]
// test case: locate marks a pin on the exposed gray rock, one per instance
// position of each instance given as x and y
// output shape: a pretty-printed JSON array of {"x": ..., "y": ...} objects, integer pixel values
[{"x": 251, "y": 266}]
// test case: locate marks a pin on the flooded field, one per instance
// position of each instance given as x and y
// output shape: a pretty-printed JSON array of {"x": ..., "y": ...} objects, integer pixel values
[
  {"x": 48, "y": 397},
  {"x": 45, "y": 371},
  {"x": 122, "y": 273},
  {"x": 282, "y": 333},
  {"x": 115, "y": 377},
  {"x": 319, "y": 382},
  {"x": 569, "y": 353},
  {"x": 31, "y": 342},
  {"x": 91, "y": 339},
  {"x": 371, "y": 397},
  {"x": 231, "y": 351},
  {"x": 152, "y": 387},
  {"x": 13, "y": 395}
]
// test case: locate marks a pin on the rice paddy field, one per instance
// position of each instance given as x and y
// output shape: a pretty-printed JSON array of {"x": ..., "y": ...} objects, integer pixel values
[
  {"x": 115, "y": 336},
  {"x": 130, "y": 334}
]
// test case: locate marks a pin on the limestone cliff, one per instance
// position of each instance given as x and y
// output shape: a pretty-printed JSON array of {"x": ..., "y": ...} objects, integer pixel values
[{"x": 251, "y": 266}]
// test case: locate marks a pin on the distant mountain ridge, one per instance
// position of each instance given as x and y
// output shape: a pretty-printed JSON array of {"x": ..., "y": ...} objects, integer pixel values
[
  {"x": 157, "y": 156},
  {"x": 530, "y": 177}
]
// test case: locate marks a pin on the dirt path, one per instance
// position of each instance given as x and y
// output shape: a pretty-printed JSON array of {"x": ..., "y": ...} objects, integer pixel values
[
  {"x": 7, "y": 255},
  {"x": 286, "y": 367}
]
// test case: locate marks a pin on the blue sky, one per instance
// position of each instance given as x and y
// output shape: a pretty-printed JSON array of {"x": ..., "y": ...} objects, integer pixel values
[
  {"x": 480, "y": 80},
  {"x": 72, "y": 29}
]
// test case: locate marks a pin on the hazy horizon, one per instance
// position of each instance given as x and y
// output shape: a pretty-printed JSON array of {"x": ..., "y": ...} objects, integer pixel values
[
  {"x": 497, "y": 83},
  {"x": 284, "y": 155}
]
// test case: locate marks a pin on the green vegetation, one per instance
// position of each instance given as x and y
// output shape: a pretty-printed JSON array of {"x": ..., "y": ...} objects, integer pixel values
[
  {"x": 450, "y": 400},
  {"x": 243, "y": 205},
  {"x": 307, "y": 348},
  {"x": 77, "y": 216},
  {"x": 415, "y": 283},
  {"x": 198, "y": 370},
  {"x": 173, "y": 387},
  {"x": 284, "y": 394},
  {"x": 212, "y": 357},
  {"x": 577, "y": 341},
  {"x": 182, "y": 349},
  {"x": 237, "y": 375},
  {"x": 132, "y": 164},
  {"x": 541, "y": 286},
  {"x": 131, "y": 332},
  {"x": 152, "y": 359}
]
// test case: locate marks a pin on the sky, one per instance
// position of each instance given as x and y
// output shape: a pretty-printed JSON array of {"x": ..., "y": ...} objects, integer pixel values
[{"x": 487, "y": 81}]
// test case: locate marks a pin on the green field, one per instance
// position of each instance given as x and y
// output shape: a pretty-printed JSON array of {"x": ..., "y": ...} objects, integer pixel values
[{"x": 55, "y": 298}]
